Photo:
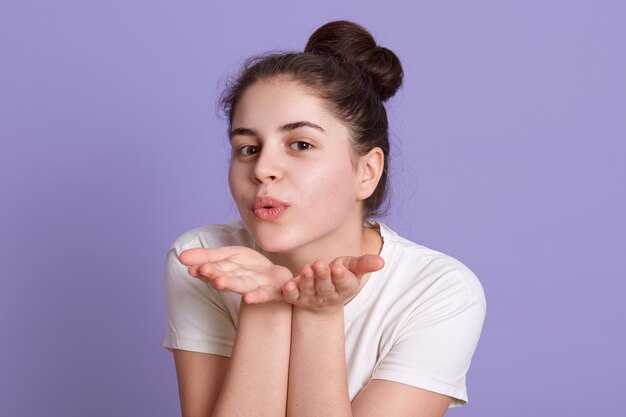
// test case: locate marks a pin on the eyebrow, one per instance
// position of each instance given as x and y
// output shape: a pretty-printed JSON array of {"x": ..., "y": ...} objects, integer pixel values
[{"x": 244, "y": 131}]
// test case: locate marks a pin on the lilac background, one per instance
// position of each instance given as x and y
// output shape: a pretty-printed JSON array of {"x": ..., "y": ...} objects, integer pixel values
[{"x": 509, "y": 139}]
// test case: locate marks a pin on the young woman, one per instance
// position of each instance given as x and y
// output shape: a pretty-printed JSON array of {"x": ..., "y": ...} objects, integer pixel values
[{"x": 305, "y": 307}]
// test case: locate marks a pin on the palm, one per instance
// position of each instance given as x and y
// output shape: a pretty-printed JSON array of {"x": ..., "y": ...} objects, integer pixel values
[
  {"x": 326, "y": 287},
  {"x": 238, "y": 269}
]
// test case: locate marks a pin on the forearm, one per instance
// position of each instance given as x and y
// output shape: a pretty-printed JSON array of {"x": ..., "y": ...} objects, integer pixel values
[
  {"x": 317, "y": 369},
  {"x": 256, "y": 380}
]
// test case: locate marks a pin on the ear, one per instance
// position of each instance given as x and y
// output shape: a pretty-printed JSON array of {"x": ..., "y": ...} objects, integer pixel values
[{"x": 370, "y": 170}]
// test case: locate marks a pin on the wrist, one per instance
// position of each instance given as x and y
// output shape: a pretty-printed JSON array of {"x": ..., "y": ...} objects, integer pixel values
[
  {"x": 275, "y": 305},
  {"x": 328, "y": 313},
  {"x": 266, "y": 312}
]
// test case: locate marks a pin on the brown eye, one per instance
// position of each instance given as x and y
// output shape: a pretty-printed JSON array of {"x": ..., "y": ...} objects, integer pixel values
[
  {"x": 300, "y": 146},
  {"x": 248, "y": 150}
]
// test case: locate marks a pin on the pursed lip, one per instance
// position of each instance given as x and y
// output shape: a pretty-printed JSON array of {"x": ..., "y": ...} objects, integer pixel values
[
  {"x": 268, "y": 209},
  {"x": 266, "y": 202}
]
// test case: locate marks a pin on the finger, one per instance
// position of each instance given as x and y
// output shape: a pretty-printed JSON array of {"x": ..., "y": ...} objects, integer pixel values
[
  {"x": 210, "y": 270},
  {"x": 262, "y": 295},
  {"x": 306, "y": 281},
  {"x": 226, "y": 266},
  {"x": 197, "y": 256},
  {"x": 344, "y": 281},
  {"x": 240, "y": 284},
  {"x": 362, "y": 264},
  {"x": 323, "y": 283},
  {"x": 204, "y": 271},
  {"x": 290, "y": 292}
]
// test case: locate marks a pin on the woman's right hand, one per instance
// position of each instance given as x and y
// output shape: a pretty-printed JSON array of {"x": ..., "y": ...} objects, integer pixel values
[{"x": 238, "y": 269}]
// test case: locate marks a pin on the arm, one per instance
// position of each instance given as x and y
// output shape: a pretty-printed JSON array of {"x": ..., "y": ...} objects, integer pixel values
[
  {"x": 388, "y": 398},
  {"x": 254, "y": 382},
  {"x": 212, "y": 385},
  {"x": 318, "y": 379},
  {"x": 196, "y": 321},
  {"x": 317, "y": 370},
  {"x": 200, "y": 377}
]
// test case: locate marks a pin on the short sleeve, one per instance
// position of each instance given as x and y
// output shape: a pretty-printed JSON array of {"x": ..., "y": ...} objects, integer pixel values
[
  {"x": 197, "y": 317},
  {"x": 434, "y": 346}
]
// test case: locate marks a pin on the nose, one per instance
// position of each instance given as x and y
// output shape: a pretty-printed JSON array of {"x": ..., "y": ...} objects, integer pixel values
[{"x": 268, "y": 166}]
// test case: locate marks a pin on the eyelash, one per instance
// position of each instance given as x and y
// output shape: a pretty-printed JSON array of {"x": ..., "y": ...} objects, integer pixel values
[
  {"x": 245, "y": 149},
  {"x": 242, "y": 149},
  {"x": 309, "y": 146}
]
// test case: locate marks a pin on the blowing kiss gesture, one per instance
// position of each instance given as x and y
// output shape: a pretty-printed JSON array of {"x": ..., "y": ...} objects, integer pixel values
[{"x": 320, "y": 286}]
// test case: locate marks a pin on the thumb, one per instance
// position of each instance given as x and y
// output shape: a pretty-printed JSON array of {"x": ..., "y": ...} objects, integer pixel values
[
  {"x": 198, "y": 256},
  {"x": 363, "y": 264}
]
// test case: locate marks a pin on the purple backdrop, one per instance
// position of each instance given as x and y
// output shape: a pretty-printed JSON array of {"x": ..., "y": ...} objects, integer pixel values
[{"x": 509, "y": 147}]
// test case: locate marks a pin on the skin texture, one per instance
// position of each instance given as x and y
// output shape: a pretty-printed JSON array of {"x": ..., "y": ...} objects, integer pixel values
[
  {"x": 315, "y": 257},
  {"x": 308, "y": 169}
]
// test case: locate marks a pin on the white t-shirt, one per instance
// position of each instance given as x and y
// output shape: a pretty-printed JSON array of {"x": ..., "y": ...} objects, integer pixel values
[{"x": 417, "y": 321}]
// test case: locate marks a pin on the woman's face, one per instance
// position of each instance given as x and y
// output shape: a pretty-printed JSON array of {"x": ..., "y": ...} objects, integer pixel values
[{"x": 291, "y": 173}]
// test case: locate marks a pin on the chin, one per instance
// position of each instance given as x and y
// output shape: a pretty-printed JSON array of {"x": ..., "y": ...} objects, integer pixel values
[
  {"x": 273, "y": 242},
  {"x": 275, "y": 238}
]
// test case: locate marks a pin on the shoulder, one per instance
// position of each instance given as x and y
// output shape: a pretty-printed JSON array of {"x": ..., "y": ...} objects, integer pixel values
[
  {"x": 213, "y": 236},
  {"x": 416, "y": 267},
  {"x": 432, "y": 308}
]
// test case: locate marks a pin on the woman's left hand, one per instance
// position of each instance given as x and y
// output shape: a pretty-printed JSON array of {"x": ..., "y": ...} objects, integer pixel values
[{"x": 324, "y": 288}]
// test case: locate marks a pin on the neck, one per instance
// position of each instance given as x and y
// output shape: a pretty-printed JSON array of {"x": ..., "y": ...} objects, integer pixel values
[{"x": 350, "y": 240}]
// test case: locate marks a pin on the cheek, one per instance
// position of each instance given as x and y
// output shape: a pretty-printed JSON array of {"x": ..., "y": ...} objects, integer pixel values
[
  {"x": 231, "y": 176},
  {"x": 329, "y": 183},
  {"x": 235, "y": 180}
]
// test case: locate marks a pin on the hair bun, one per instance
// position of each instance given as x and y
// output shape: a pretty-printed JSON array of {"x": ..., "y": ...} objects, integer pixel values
[{"x": 353, "y": 44}]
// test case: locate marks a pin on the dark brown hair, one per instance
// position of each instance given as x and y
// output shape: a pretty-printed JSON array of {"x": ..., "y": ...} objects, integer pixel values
[{"x": 342, "y": 65}]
